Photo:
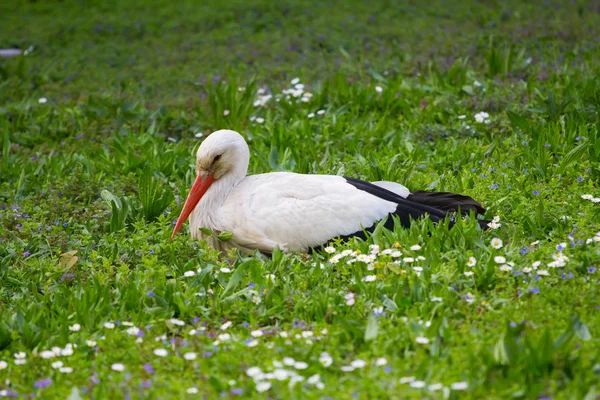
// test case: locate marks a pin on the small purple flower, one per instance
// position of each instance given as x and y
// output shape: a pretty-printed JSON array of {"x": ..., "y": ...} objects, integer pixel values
[
  {"x": 26, "y": 254},
  {"x": 66, "y": 277},
  {"x": 387, "y": 369},
  {"x": 473, "y": 169},
  {"x": 513, "y": 324},
  {"x": 140, "y": 333},
  {"x": 208, "y": 354},
  {"x": 570, "y": 275},
  {"x": 94, "y": 378},
  {"x": 537, "y": 278},
  {"x": 223, "y": 393},
  {"x": 535, "y": 290},
  {"x": 563, "y": 276},
  {"x": 494, "y": 186},
  {"x": 79, "y": 136},
  {"x": 577, "y": 138},
  {"x": 523, "y": 251},
  {"x": 251, "y": 284},
  {"x": 483, "y": 175},
  {"x": 579, "y": 178},
  {"x": 196, "y": 320},
  {"x": 150, "y": 294},
  {"x": 237, "y": 391},
  {"x": 560, "y": 247},
  {"x": 42, "y": 383},
  {"x": 149, "y": 368},
  {"x": 591, "y": 270},
  {"x": 547, "y": 145},
  {"x": 536, "y": 192},
  {"x": 146, "y": 384},
  {"x": 151, "y": 251},
  {"x": 65, "y": 224}
]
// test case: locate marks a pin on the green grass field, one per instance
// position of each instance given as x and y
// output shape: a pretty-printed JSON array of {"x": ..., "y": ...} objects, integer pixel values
[{"x": 496, "y": 100}]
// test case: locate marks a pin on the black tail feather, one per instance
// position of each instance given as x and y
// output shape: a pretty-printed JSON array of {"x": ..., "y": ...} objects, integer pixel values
[{"x": 447, "y": 202}]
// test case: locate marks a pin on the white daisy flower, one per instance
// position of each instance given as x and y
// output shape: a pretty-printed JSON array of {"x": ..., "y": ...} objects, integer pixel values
[
  {"x": 408, "y": 259},
  {"x": 253, "y": 371},
  {"x": 263, "y": 386},
  {"x": 369, "y": 278},
  {"x": 91, "y": 343},
  {"x": 118, "y": 367},
  {"x": 224, "y": 337},
  {"x": 325, "y": 359},
  {"x": 459, "y": 386},
  {"x": 417, "y": 384},
  {"x": 252, "y": 343},
  {"x": 505, "y": 268},
  {"x": 188, "y": 274},
  {"x": 471, "y": 262},
  {"x": 415, "y": 247},
  {"x": 494, "y": 225},
  {"x": 257, "y": 333},
  {"x": 358, "y": 364},
  {"x": 225, "y": 270},
  {"x": 422, "y": 340},
  {"x": 435, "y": 387},
  {"x": 407, "y": 379},
  {"x": 190, "y": 356},
  {"x": 321, "y": 112},
  {"x": 496, "y": 243},
  {"x": 42, "y": 100},
  {"x": 192, "y": 390},
  {"x": 381, "y": 361},
  {"x": 469, "y": 273},
  {"x": 378, "y": 89},
  {"x": 482, "y": 117},
  {"x": 3, "y": 364},
  {"x": 133, "y": 331},
  {"x": 161, "y": 352},
  {"x": 225, "y": 112},
  {"x": 543, "y": 272},
  {"x": 177, "y": 322},
  {"x": 311, "y": 115},
  {"x": 75, "y": 328},
  {"x": 300, "y": 365},
  {"x": 226, "y": 325},
  {"x": 347, "y": 368},
  {"x": 499, "y": 260},
  {"x": 109, "y": 325},
  {"x": 587, "y": 196},
  {"x": 289, "y": 361},
  {"x": 396, "y": 254}
]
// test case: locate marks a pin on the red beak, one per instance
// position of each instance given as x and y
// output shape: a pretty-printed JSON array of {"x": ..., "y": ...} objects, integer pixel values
[{"x": 198, "y": 189}]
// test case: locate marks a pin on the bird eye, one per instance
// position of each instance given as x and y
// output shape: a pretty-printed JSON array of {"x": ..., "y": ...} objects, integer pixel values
[{"x": 218, "y": 157}]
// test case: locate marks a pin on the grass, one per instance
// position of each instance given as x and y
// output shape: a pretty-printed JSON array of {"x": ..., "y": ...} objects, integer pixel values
[{"x": 92, "y": 180}]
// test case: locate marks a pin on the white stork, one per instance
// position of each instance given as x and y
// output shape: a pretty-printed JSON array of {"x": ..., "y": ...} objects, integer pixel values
[{"x": 293, "y": 211}]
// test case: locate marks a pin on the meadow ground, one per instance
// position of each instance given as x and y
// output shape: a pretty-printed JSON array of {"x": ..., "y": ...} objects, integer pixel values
[{"x": 98, "y": 127}]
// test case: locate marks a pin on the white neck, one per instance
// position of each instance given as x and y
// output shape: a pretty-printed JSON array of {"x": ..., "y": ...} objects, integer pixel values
[{"x": 207, "y": 212}]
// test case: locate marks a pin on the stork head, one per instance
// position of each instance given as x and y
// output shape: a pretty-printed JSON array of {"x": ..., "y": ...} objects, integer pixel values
[{"x": 223, "y": 155}]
